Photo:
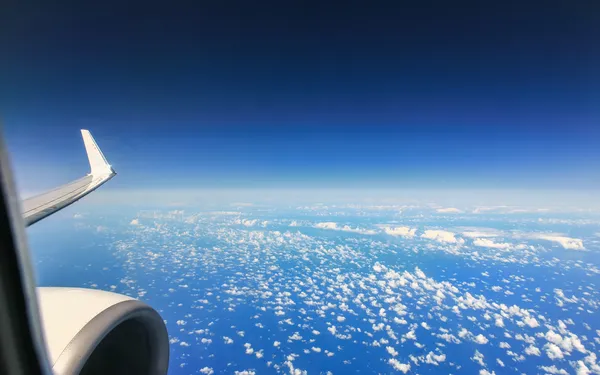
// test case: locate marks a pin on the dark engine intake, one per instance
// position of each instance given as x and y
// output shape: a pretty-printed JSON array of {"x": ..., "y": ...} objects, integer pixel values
[{"x": 91, "y": 332}]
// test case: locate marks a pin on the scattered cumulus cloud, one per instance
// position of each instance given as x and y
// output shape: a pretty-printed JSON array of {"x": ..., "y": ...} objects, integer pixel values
[
  {"x": 553, "y": 370},
  {"x": 484, "y": 242},
  {"x": 400, "y": 231},
  {"x": 475, "y": 232},
  {"x": 398, "y": 366},
  {"x": 480, "y": 339},
  {"x": 380, "y": 304},
  {"x": 442, "y": 236},
  {"x": 449, "y": 210},
  {"x": 345, "y": 228},
  {"x": 566, "y": 242},
  {"x": 533, "y": 350}
]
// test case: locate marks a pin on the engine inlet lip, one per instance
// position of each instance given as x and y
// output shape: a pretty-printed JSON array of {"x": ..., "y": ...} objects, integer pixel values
[{"x": 72, "y": 359}]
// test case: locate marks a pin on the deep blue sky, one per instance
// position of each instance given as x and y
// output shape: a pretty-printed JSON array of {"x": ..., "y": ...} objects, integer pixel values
[{"x": 228, "y": 93}]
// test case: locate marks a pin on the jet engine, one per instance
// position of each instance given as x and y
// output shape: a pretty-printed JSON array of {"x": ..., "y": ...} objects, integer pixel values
[{"x": 91, "y": 332}]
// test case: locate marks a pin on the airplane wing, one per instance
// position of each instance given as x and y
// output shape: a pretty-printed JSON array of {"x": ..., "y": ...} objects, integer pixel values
[{"x": 43, "y": 205}]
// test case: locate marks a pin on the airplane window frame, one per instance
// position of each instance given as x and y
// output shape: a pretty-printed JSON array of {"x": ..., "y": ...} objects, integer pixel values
[{"x": 22, "y": 347}]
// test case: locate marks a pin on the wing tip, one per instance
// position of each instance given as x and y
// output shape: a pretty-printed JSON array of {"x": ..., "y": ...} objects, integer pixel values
[
  {"x": 43, "y": 205},
  {"x": 98, "y": 163}
]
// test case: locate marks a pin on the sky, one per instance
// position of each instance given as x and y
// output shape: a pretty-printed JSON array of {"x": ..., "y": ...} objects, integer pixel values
[{"x": 215, "y": 95}]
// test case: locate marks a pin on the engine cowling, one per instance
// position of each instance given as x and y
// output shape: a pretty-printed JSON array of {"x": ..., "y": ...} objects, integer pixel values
[{"x": 92, "y": 332}]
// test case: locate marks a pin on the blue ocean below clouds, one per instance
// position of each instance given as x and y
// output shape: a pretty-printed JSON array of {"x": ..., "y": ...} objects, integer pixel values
[{"x": 346, "y": 289}]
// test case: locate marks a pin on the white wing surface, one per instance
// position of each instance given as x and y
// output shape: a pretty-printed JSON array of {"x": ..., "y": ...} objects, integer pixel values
[{"x": 43, "y": 205}]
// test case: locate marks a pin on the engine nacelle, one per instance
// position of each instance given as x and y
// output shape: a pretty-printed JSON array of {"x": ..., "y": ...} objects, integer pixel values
[{"x": 95, "y": 332}]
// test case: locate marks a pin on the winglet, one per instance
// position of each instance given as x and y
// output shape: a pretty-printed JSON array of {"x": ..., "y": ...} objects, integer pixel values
[
  {"x": 43, "y": 205},
  {"x": 98, "y": 164}
]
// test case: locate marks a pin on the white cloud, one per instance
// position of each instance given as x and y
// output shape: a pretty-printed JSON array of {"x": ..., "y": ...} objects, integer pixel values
[
  {"x": 531, "y": 321},
  {"x": 442, "y": 236},
  {"x": 391, "y": 351},
  {"x": 591, "y": 360},
  {"x": 207, "y": 370},
  {"x": 434, "y": 359},
  {"x": 553, "y": 370},
  {"x": 449, "y": 338},
  {"x": 346, "y": 228},
  {"x": 249, "y": 222},
  {"x": 449, "y": 210},
  {"x": 557, "y": 344},
  {"x": 553, "y": 337},
  {"x": 400, "y": 231},
  {"x": 581, "y": 368},
  {"x": 484, "y": 242},
  {"x": 403, "y": 367},
  {"x": 223, "y": 213},
  {"x": 134, "y": 222},
  {"x": 478, "y": 358},
  {"x": 377, "y": 267},
  {"x": 327, "y": 225},
  {"x": 276, "y": 343},
  {"x": 553, "y": 351},
  {"x": 566, "y": 242},
  {"x": 533, "y": 350},
  {"x": 474, "y": 232},
  {"x": 420, "y": 274},
  {"x": 480, "y": 339}
]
